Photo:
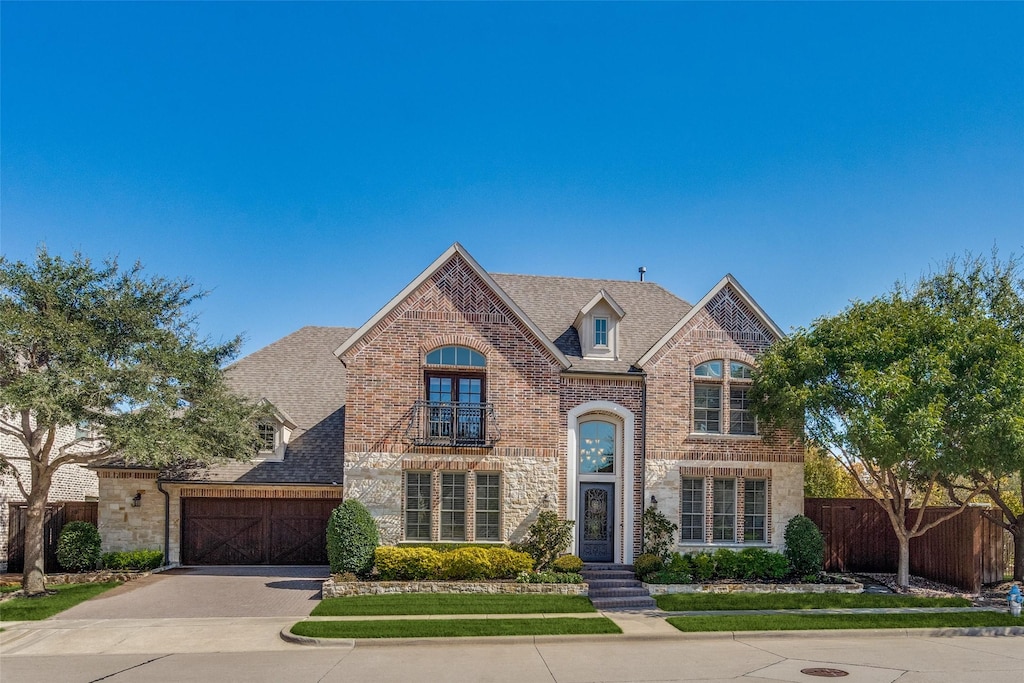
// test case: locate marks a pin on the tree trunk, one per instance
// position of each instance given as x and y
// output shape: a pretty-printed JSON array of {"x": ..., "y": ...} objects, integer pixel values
[
  {"x": 903, "y": 568},
  {"x": 1018, "y": 549},
  {"x": 33, "y": 580}
]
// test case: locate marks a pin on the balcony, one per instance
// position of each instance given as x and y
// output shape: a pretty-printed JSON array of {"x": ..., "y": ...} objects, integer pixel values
[{"x": 442, "y": 423}]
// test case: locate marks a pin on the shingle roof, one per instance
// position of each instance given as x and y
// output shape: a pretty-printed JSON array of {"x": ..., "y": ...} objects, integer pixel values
[
  {"x": 553, "y": 302},
  {"x": 300, "y": 376}
]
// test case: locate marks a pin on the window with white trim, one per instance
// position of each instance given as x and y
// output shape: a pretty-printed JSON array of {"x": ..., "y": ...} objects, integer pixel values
[
  {"x": 417, "y": 506},
  {"x": 741, "y": 418},
  {"x": 707, "y": 408},
  {"x": 443, "y": 506},
  {"x": 267, "y": 433},
  {"x": 691, "y": 527},
  {"x": 600, "y": 331},
  {"x": 488, "y": 507},
  {"x": 755, "y": 510},
  {"x": 723, "y": 515},
  {"x": 453, "y": 507}
]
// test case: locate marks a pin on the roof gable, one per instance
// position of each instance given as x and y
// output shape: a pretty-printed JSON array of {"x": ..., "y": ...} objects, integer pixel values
[
  {"x": 720, "y": 302},
  {"x": 598, "y": 298},
  {"x": 454, "y": 251}
]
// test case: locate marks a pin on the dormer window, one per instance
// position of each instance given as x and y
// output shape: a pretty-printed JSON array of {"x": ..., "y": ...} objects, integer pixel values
[
  {"x": 597, "y": 324},
  {"x": 268, "y": 436},
  {"x": 600, "y": 331},
  {"x": 273, "y": 431}
]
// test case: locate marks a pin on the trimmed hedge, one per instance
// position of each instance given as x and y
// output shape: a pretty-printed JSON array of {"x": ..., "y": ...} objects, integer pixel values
[
  {"x": 78, "y": 548},
  {"x": 549, "y": 577},
  {"x": 426, "y": 564},
  {"x": 352, "y": 537},
  {"x": 646, "y": 564},
  {"x": 143, "y": 560}
]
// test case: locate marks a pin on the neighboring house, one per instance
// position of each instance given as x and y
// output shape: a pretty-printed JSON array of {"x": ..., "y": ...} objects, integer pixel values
[
  {"x": 71, "y": 483},
  {"x": 471, "y": 402}
]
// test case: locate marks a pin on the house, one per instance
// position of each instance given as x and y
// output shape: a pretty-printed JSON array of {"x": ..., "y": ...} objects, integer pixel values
[
  {"x": 472, "y": 401},
  {"x": 71, "y": 482}
]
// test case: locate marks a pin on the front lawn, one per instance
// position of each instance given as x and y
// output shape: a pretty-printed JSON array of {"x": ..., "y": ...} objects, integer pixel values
[
  {"x": 450, "y": 603},
  {"x": 800, "y": 622},
  {"x": 454, "y": 628},
  {"x": 692, "y": 602},
  {"x": 67, "y": 596},
  {"x": 9, "y": 589}
]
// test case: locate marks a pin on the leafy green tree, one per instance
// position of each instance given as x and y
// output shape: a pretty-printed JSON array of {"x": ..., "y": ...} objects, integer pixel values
[
  {"x": 986, "y": 298},
  {"x": 119, "y": 351},
  {"x": 826, "y": 478},
  {"x": 874, "y": 386}
]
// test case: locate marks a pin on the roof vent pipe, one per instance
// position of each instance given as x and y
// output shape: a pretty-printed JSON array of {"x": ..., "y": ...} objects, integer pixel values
[{"x": 642, "y": 270}]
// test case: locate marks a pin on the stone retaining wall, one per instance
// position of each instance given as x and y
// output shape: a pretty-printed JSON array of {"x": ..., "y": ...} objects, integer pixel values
[
  {"x": 341, "y": 589},
  {"x": 666, "y": 588}
]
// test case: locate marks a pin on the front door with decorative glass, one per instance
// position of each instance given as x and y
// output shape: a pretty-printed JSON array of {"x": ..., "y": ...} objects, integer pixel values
[{"x": 596, "y": 522}]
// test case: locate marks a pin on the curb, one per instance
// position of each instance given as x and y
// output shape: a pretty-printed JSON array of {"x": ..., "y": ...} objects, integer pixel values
[{"x": 987, "y": 631}]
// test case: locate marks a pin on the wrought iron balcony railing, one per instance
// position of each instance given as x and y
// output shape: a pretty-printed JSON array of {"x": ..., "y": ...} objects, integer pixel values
[{"x": 446, "y": 423}]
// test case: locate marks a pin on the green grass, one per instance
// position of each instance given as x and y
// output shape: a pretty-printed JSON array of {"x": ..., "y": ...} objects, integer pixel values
[
  {"x": 799, "y": 622},
  {"x": 684, "y": 602},
  {"x": 9, "y": 589},
  {"x": 448, "y": 603},
  {"x": 454, "y": 628},
  {"x": 69, "y": 595}
]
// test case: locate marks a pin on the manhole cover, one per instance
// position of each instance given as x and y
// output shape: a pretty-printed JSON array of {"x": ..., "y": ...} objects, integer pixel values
[{"x": 825, "y": 673}]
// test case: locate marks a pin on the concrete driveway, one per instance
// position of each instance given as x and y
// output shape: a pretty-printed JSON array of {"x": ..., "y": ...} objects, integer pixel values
[{"x": 195, "y": 592}]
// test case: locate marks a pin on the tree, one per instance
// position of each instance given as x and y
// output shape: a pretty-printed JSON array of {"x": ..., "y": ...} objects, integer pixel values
[
  {"x": 986, "y": 296},
  {"x": 826, "y": 478},
  {"x": 119, "y": 351},
  {"x": 874, "y": 386}
]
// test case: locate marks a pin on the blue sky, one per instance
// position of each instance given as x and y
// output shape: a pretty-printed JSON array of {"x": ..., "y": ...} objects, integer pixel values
[{"x": 306, "y": 161}]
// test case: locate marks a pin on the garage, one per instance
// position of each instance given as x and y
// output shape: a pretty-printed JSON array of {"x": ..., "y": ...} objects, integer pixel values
[{"x": 254, "y": 530}]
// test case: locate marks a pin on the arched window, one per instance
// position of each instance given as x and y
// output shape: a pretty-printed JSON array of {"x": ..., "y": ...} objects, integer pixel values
[
  {"x": 711, "y": 369},
  {"x": 740, "y": 370},
  {"x": 597, "y": 447},
  {"x": 456, "y": 355}
]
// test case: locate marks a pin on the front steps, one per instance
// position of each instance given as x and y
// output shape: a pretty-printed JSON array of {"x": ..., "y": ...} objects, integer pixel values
[{"x": 614, "y": 586}]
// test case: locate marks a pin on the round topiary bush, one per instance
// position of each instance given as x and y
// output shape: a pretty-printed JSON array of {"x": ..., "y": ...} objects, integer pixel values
[
  {"x": 78, "y": 548},
  {"x": 647, "y": 564},
  {"x": 567, "y": 564},
  {"x": 352, "y": 537},
  {"x": 805, "y": 546}
]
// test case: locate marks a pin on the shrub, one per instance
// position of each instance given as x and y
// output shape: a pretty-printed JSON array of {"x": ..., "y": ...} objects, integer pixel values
[
  {"x": 546, "y": 539},
  {"x": 351, "y": 538},
  {"x": 805, "y": 546},
  {"x": 507, "y": 563},
  {"x": 648, "y": 563},
  {"x": 78, "y": 548},
  {"x": 659, "y": 533},
  {"x": 549, "y": 577},
  {"x": 703, "y": 566},
  {"x": 727, "y": 564},
  {"x": 567, "y": 564},
  {"x": 469, "y": 563},
  {"x": 407, "y": 564},
  {"x": 759, "y": 563},
  {"x": 143, "y": 560}
]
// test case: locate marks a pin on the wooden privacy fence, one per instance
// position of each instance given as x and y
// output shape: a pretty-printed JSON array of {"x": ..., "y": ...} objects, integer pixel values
[
  {"x": 57, "y": 515},
  {"x": 965, "y": 551}
]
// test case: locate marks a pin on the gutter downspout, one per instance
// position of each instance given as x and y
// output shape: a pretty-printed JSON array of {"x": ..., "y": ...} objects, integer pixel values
[{"x": 167, "y": 522}]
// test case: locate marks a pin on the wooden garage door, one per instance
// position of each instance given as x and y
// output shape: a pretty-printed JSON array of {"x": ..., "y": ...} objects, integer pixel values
[{"x": 255, "y": 531}]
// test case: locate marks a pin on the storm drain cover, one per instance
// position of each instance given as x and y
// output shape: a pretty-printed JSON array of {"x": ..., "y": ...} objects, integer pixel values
[{"x": 824, "y": 672}]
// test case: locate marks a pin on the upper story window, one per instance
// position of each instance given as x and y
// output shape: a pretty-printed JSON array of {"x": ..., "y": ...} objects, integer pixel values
[
  {"x": 454, "y": 410},
  {"x": 597, "y": 447},
  {"x": 456, "y": 355},
  {"x": 600, "y": 331},
  {"x": 711, "y": 387},
  {"x": 712, "y": 369},
  {"x": 267, "y": 433},
  {"x": 740, "y": 371}
]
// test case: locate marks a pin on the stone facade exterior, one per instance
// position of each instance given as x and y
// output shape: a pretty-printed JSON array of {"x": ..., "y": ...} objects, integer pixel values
[
  {"x": 344, "y": 589},
  {"x": 70, "y": 483}
]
